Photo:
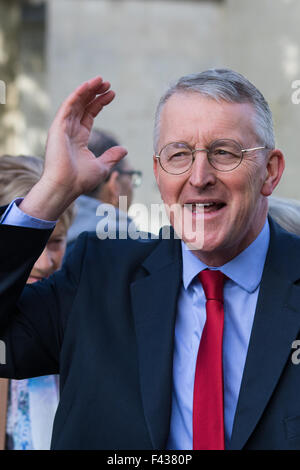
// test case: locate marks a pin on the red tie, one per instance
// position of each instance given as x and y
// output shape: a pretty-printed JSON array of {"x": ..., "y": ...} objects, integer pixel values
[{"x": 208, "y": 408}]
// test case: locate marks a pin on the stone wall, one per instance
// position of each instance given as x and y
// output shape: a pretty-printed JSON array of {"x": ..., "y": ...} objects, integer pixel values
[
  {"x": 141, "y": 46},
  {"x": 24, "y": 117},
  {"x": 10, "y": 116}
]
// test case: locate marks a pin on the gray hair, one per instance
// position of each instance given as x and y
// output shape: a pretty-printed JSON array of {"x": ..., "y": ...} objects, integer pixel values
[{"x": 226, "y": 85}]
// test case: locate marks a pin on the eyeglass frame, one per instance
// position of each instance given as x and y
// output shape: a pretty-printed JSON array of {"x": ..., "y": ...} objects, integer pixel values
[
  {"x": 131, "y": 173},
  {"x": 193, "y": 151}
]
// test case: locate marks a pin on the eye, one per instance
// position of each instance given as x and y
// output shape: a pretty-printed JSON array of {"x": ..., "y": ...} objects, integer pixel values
[
  {"x": 221, "y": 152},
  {"x": 177, "y": 153},
  {"x": 55, "y": 243},
  {"x": 180, "y": 154}
]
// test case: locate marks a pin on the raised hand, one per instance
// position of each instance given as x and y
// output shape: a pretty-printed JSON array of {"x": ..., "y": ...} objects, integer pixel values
[{"x": 70, "y": 168}]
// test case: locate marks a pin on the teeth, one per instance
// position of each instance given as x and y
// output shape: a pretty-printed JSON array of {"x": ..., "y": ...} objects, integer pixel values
[
  {"x": 199, "y": 206},
  {"x": 207, "y": 204}
]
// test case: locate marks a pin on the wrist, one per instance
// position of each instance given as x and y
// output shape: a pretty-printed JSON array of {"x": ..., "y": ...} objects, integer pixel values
[{"x": 47, "y": 201}]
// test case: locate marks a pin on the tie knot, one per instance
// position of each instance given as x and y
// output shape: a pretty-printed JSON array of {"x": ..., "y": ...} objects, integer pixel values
[{"x": 212, "y": 283}]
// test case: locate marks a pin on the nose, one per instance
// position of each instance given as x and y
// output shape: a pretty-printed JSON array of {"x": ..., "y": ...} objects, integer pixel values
[
  {"x": 45, "y": 264},
  {"x": 202, "y": 173}
]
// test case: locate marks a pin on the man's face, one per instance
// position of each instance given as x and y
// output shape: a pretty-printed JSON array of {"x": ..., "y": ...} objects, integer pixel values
[
  {"x": 240, "y": 206},
  {"x": 125, "y": 180},
  {"x": 118, "y": 184},
  {"x": 52, "y": 256}
]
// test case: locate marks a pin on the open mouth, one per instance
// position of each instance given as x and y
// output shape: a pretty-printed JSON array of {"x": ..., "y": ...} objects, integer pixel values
[{"x": 205, "y": 207}]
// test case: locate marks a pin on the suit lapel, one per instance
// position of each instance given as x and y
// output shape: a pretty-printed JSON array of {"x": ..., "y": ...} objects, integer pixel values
[
  {"x": 154, "y": 304},
  {"x": 276, "y": 325}
]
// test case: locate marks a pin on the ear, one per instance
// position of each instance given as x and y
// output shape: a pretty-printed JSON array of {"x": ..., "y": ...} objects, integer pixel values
[
  {"x": 155, "y": 167},
  {"x": 274, "y": 170},
  {"x": 113, "y": 187}
]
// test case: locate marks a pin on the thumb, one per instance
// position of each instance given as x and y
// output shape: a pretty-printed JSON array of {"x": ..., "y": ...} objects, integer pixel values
[{"x": 111, "y": 156}]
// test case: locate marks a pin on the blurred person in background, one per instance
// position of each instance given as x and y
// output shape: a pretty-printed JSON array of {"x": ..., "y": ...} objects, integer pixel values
[
  {"x": 286, "y": 212},
  {"x": 31, "y": 403},
  {"x": 121, "y": 181}
]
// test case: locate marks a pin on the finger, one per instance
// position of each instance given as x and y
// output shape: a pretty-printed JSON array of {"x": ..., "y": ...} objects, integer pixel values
[
  {"x": 95, "y": 107},
  {"x": 83, "y": 93},
  {"x": 75, "y": 104},
  {"x": 89, "y": 89},
  {"x": 112, "y": 156},
  {"x": 95, "y": 89},
  {"x": 97, "y": 104}
]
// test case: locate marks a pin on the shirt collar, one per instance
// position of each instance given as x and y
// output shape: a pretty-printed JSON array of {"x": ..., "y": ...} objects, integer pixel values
[{"x": 245, "y": 269}]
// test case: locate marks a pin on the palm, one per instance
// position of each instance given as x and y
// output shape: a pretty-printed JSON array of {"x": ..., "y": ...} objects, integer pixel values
[{"x": 68, "y": 160}]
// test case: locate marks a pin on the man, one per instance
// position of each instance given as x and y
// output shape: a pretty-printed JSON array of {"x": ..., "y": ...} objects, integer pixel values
[
  {"x": 119, "y": 183},
  {"x": 125, "y": 317}
]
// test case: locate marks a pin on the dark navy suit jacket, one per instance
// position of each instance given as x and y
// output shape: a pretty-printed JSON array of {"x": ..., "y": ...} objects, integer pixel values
[{"x": 105, "y": 323}]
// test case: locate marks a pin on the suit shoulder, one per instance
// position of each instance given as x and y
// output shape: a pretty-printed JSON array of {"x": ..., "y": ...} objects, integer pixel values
[
  {"x": 278, "y": 233},
  {"x": 120, "y": 248},
  {"x": 284, "y": 251}
]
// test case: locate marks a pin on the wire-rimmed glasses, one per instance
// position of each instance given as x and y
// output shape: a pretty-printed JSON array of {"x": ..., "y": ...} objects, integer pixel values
[
  {"x": 135, "y": 175},
  {"x": 223, "y": 155}
]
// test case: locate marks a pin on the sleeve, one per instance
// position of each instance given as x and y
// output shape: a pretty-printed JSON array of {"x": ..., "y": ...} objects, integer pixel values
[
  {"x": 16, "y": 217},
  {"x": 33, "y": 317}
]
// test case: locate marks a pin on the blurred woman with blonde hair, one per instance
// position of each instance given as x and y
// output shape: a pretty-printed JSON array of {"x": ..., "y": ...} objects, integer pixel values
[{"x": 31, "y": 403}]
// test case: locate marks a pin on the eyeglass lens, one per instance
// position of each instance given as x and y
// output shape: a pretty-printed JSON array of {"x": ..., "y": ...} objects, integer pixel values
[
  {"x": 136, "y": 180},
  {"x": 223, "y": 155},
  {"x": 135, "y": 176}
]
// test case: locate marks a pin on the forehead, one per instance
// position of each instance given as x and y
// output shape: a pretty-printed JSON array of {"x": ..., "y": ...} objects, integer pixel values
[
  {"x": 193, "y": 118},
  {"x": 59, "y": 231}
]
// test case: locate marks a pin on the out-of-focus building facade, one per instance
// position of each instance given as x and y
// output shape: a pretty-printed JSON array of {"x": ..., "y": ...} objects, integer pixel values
[{"x": 47, "y": 48}]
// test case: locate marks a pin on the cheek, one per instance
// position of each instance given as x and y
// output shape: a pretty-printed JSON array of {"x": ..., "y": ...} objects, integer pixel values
[
  {"x": 58, "y": 256},
  {"x": 170, "y": 187},
  {"x": 255, "y": 173},
  {"x": 58, "y": 259},
  {"x": 245, "y": 186},
  {"x": 126, "y": 186}
]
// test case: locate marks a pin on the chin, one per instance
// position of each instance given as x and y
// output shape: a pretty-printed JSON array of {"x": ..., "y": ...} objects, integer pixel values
[{"x": 210, "y": 250}]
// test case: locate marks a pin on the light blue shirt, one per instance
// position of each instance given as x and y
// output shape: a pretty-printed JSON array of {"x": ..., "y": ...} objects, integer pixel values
[
  {"x": 240, "y": 299},
  {"x": 15, "y": 216}
]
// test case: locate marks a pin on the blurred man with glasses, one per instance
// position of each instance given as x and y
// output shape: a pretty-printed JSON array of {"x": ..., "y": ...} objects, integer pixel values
[
  {"x": 120, "y": 182},
  {"x": 180, "y": 345}
]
